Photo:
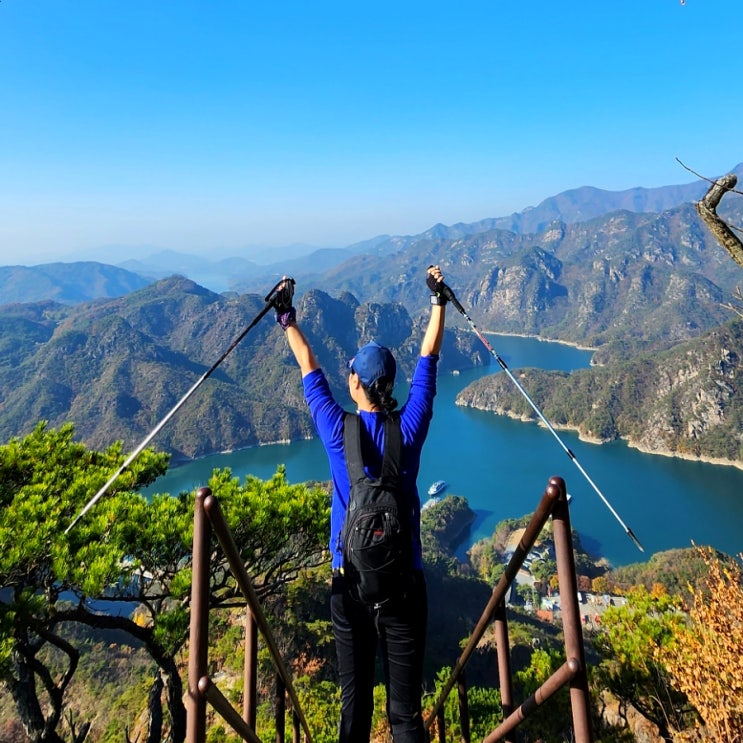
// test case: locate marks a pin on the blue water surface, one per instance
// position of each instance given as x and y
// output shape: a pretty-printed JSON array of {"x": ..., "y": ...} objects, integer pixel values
[{"x": 502, "y": 467}]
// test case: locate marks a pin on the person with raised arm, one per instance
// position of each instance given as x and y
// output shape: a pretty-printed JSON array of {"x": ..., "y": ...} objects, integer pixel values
[{"x": 398, "y": 624}]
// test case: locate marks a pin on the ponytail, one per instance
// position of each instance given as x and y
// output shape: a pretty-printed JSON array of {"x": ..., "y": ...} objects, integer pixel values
[{"x": 379, "y": 394}]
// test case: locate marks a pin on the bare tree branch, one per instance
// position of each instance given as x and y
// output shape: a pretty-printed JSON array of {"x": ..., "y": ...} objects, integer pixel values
[
  {"x": 707, "y": 211},
  {"x": 704, "y": 178},
  {"x": 722, "y": 231}
]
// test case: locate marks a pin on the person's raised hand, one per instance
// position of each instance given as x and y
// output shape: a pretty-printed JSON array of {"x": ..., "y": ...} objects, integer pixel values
[
  {"x": 435, "y": 282},
  {"x": 283, "y": 303}
]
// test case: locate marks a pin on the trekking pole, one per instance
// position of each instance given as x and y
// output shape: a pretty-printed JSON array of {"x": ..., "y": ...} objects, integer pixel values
[
  {"x": 449, "y": 294},
  {"x": 269, "y": 300}
]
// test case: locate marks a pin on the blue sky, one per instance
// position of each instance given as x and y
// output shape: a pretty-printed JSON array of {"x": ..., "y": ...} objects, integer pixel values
[{"x": 212, "y": 128}]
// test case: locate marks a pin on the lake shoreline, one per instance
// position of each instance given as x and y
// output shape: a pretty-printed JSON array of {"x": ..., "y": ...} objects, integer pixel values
[
  {"x": 182, "y": 461},
  {"x": 716, "y": 461},
  {"x": 542, "y": 339}
]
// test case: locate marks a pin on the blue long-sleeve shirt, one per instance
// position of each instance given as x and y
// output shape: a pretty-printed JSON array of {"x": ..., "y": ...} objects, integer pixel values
[{"x": 415, "y": 417}]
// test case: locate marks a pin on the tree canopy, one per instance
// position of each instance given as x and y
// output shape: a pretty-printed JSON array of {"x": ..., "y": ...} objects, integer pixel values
[{"x": 128, "y": 551}]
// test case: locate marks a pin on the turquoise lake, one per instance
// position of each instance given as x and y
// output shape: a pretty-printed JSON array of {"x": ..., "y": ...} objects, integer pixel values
[{"x": 502, "y": 467}]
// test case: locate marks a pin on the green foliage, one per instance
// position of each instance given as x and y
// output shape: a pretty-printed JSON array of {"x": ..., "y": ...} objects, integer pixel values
[
  {"x": 218, "y": 734},
  {"x": 321, "y": 702},
  {"x": 526, "y": 592},
  {"x": 543, "y": 570},
  {"x": 487, "y": 555},
  {"x": 125, "y": 549},
  {"x": 484, "y": 704},
  {"x": 486, "y": 710},
  {"x": 443, "y": 525},
  {"x": 553, "y": 719},
  {"x": 281, "y": 531},
  {"x": 119, "y": 701},
  {"x": 629, "y": 641},
  {"x": 675, "y": 570},
  {"x": 282, "y": 528},
  {"x": 117, "y": 367},
  {"x": 45, "y": 479}
]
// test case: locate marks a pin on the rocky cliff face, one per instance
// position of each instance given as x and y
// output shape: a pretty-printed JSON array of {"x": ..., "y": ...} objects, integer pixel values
[
  {"x": 687, "y": 401},
  {"x": 621, "y": 277},
  {"x": 699, "y": 402}
]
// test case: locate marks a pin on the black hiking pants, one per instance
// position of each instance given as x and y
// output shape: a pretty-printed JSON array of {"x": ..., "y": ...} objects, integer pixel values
[{"x": 398, "y": 627}]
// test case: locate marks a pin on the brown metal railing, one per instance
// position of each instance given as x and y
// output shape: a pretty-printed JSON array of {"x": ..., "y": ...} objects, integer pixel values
[
  {"x": 208, "y": 518},
  {"x": 573, "y": 672}
]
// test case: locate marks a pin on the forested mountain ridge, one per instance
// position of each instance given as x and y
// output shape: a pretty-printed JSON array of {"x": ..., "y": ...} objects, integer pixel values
[
  {"x": 625, "y": 277},
  {"x": 116, "y": 367},
  {"x": 686, "y": 401}
]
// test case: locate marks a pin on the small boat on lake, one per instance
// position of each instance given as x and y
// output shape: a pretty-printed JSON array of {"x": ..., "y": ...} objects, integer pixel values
[{"x": 434, "y": 493}]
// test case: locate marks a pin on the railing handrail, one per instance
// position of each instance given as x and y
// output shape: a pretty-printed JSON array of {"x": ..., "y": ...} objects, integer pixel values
[
  {"x": 208, "y": 517},
  {"x": 553, "y": 503},
  {"x": 525, "y": 544},
  {"x": 200, "y": 685}
]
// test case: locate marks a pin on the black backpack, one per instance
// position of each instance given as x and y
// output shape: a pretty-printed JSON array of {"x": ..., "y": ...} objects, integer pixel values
[{"x": 377, "y": 535}]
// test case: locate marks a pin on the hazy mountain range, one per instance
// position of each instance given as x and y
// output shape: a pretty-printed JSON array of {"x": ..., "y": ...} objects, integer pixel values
[
  {"x": 67, "y": 283},
  {"x": 81, "y": 280},
  {"x": 570, "y": 207}
]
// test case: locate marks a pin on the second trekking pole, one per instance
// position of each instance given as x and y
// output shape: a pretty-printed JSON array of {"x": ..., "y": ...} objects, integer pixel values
[
  {"x": 269, "y": 300},
  {"x": 449, "y": 294}
]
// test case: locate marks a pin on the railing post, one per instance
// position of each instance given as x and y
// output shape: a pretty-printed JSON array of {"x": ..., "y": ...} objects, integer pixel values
[
  {"x": 504, "y": 660},
  {"x": 231, "y": 552},
  {"x": 561, "y": 677},
  {"x": 250, "y": 669},
  {"x": 464, "y": 708},
  {"x": 296, "y": 727},
  {"x": 579, "y": 698},
  {"x": 573, "y": 671},
  {"x": 198, "y": 655},
  {"x": 280, "y": 709},
  {"x": 533, "y": 528},
  {"x": 441, "y": 724}
]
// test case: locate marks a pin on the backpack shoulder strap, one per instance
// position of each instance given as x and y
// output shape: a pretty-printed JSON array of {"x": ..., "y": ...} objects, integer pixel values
[
  {"x": 392, "y": 457},
  {"x": 352, "y": 447}
]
